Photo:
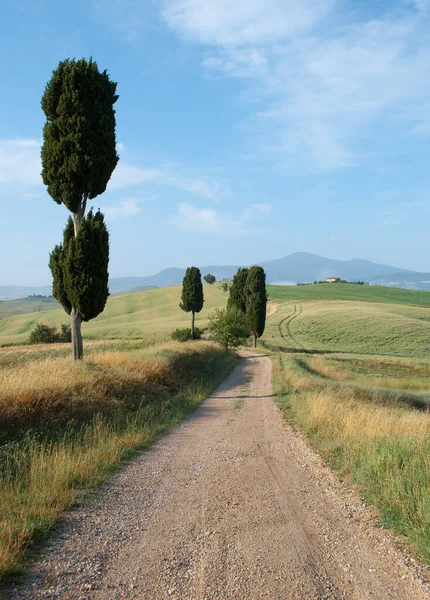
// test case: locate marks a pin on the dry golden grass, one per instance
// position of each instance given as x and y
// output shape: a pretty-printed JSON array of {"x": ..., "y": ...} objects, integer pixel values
[
  {"x": 56, "y": 389},
  {"x": 66, "y": 425},
  {"x": 355, "y": 420},
  {"x": 382, "y": 444},
  {"x": 400, "y": 375}
]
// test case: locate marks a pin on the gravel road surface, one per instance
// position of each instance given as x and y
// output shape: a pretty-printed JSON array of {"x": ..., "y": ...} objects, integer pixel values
[{"x": 232, "y": 504}]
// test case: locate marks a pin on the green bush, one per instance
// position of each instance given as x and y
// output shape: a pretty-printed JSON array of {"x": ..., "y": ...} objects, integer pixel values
[
  {"x": 183, "y": 335},
  {"x": 228, "y": 327},
  {"x": 48, "y": 334}
]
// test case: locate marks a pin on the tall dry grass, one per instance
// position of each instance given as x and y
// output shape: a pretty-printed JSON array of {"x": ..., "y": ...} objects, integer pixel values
[
  {"x": 384, "y": 447},
  {"x": 65, "y": 427},
  {"x": 402, "y": 375}
]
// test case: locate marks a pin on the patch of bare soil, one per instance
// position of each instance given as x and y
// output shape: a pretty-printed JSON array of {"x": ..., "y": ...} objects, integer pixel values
[
  {"x": 230, "y": 505},
  {"x": 272, "y": 308}
]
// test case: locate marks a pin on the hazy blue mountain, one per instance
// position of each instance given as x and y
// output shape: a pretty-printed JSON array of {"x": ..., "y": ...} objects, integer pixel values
[
  {"x": 12, "y": 292},
  {"x": 303, "y": 267},
  {"x": 171, "y": 276},
  {"x": 300, "y": 267}
]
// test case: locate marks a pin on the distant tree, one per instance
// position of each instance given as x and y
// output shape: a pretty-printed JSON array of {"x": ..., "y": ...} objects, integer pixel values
[
  {"x": 237, "y": 298},
  {"x": 192, "y": 294},
  {"x": 256, "y": 299},
  {"x": 78, "y": 158},
  {"x": 209, "y": 278},
  {"x": 228, "y": 327},
  {"x": 224, "y": 286},
  {"x": 79, "y": 267}
]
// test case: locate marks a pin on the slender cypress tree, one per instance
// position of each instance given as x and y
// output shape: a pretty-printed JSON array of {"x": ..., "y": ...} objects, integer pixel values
[
  {"x": 192, "y": 294},
  {"x": 79, "y": 268},
  {"x": 78, "y": 158},
  {"x": 237, "y": 298},
  {"x": 256, "y": 299}
]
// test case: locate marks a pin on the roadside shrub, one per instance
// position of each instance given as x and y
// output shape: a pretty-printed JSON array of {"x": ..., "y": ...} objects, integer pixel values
[
  {"x": 48, "y": 334},
  {"x": 183, "y": 335},
  {"x": 65, "y": 335},
  {"x": 228, "y": 327}
]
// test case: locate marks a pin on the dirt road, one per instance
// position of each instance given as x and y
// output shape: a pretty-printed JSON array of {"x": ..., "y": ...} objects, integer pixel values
[{"x": 230, "y": 505}]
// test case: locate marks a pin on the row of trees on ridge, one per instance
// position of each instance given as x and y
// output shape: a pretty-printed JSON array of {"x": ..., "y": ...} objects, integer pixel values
[{"x": 246, "y": 305}]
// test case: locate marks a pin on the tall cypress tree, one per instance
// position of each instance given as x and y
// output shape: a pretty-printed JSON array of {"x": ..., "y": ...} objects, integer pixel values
[
  {"x": 256, "y": 299},
  {"x": 78, "y": 158},
  {"x": 192, "y": 294},
  {"x": 79, "y": 268},
  {"x": 237, "y": 298}
]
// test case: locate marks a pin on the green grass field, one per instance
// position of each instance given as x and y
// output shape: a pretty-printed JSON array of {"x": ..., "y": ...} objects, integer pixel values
[
  {"x": 153, "y": 314},
  {"x": 352, "y": 369},
  {"x": 9, "y": 308},
  {"x": 350, "y": 327},
  {"x": 349, "y": 291}
]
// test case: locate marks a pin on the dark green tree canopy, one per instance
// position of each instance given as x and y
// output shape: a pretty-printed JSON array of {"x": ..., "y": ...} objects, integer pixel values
[
  {"x": 56, "y": 264},
  {"x": 192, "y": 291},
  {"x": 256, "y": 299},
  {"x": 237, "y": 298},
  {"x": 79, "y": 267},
  {"x": 209, "y": 278},
  {"x": 79, "y": 148}
]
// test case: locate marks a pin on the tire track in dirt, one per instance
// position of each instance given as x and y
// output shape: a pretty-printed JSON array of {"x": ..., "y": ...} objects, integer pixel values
[{"x": 285, "y": 323}]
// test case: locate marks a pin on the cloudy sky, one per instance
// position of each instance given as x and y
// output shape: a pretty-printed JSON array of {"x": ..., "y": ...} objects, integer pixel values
[{"x": 247, "y": 130}]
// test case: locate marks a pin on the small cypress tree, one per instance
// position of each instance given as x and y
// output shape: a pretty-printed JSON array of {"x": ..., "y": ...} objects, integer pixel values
[
  {"x": 79, "y": 268},
  {"x": 192, "y": 294},
  {"x": 78, "y": 158},
  {"x": 237, "y": 298},
  {"x": 256, "y": 299}
]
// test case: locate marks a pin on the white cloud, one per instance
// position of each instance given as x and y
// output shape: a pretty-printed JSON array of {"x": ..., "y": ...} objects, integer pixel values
[
  {"x": 240, "y": 22},
  {"x": 208, "y": 220},
  {"x": 20, "y": 162},
  {"x": 127, "y": 207},
  {"x": 20, "y": 167},
  {"x": 126, "y": 175},
  {"x": 319, "y": 82}
]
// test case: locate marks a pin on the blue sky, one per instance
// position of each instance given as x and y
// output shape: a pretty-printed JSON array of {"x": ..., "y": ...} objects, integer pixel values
[{"x": 247, "y": 130}]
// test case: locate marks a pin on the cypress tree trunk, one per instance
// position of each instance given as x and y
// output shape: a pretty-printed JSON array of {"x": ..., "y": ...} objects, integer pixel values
[
  {"x": 193, "y": 313},
  {"x": 254, "y": 343},
  {"x": 75, "y": 317},
  {"x": 75, "y": 325}
]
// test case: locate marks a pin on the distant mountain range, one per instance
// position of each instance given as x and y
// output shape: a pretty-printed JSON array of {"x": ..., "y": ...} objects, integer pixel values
[{"x": 300, "y": 267}]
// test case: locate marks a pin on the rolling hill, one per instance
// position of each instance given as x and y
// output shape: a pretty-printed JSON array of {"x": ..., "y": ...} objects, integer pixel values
[
  {"x": 154, "y": 313},
  {"x": 347, "y": 327},
  {"x": 300, "y": 267}
]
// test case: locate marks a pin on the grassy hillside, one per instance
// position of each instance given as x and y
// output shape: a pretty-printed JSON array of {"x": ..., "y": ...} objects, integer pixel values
[
  {"x": 351, "y": 327},
  {"x": 355, "y": 375},
  {"x": 349, "y": 291},
  {"x": 9, "y": 308},
  {"x": 154, "y": 313}
]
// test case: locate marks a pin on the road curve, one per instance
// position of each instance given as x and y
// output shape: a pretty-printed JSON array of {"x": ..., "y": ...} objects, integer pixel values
[{"x": 232, "y": 504}]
